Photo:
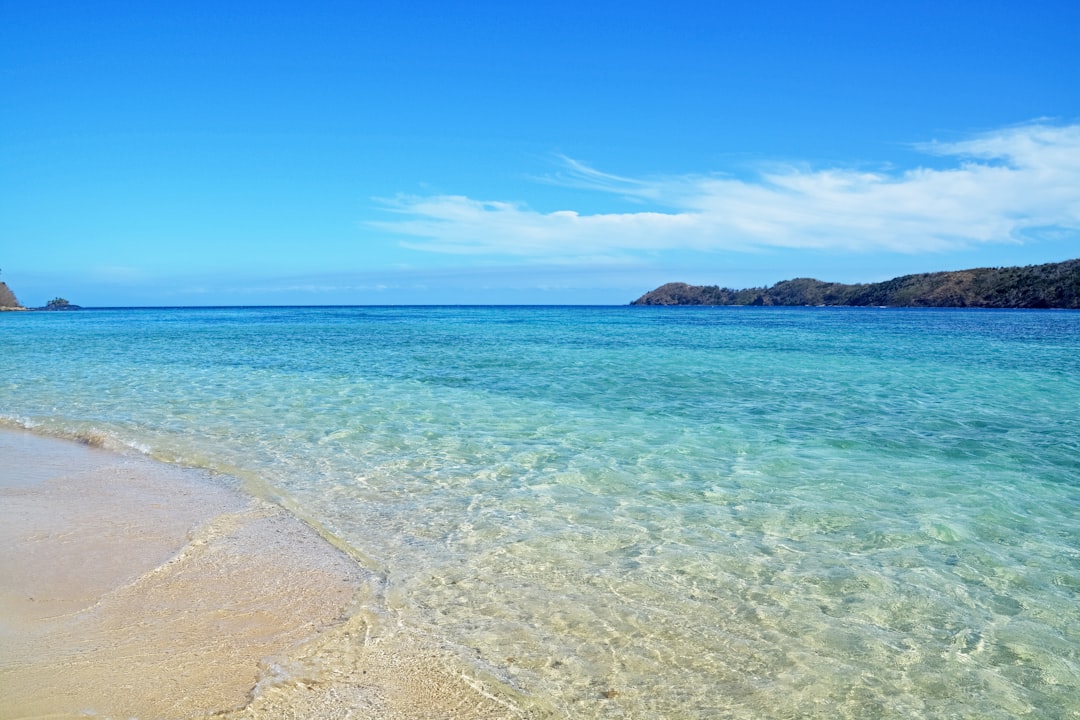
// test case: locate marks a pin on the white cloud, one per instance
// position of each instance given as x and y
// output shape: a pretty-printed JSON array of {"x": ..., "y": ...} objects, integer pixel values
[{"x": 1005, "y": 186}]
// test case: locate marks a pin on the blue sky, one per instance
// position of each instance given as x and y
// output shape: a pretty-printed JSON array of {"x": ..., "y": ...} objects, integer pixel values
[{"x": 242, "y": 153}]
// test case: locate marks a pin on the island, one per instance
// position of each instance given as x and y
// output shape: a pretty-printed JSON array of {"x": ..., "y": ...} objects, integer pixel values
[
  {"x": 60, "y": 304},
  {"x": 1054, "y": 285}
]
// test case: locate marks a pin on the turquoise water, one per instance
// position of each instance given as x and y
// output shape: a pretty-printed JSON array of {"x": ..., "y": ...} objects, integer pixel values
[{"x": 642, "y": 512}]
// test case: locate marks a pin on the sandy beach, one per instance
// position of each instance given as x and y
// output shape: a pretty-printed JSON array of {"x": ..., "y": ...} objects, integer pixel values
[{"x": 140, "y": 590}]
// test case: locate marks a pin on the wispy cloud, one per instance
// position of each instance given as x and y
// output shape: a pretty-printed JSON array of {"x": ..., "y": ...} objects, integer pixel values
[{"x": 1005, "y": 186}]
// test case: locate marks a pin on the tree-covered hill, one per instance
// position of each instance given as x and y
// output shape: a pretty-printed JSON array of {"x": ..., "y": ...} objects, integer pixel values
[
  {"x": 1055, "y": 285},
  {"x": 7, "y": 298}
]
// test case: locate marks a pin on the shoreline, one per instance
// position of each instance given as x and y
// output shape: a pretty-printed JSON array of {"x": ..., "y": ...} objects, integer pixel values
[{"x": 140, "y": 589}]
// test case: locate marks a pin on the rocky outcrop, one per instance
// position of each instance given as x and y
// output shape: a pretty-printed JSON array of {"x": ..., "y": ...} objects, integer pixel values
[{"x": 60, "y": 304}]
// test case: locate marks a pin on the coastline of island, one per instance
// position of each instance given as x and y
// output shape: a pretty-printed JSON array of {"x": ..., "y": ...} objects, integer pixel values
[
  {"x": 1052, "y": 285},
  {"x": 8, "y": 301}
]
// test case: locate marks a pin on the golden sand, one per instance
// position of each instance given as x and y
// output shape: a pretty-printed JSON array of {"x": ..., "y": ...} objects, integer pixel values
[{"x": 133, "y": 589}]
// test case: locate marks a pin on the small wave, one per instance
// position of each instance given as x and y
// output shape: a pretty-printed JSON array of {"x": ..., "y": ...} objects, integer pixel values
[{"x": 91, "y": 436}]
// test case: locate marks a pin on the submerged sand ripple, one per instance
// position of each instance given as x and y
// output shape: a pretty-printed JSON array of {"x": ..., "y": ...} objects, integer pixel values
[{"x": 134, "y": 589}]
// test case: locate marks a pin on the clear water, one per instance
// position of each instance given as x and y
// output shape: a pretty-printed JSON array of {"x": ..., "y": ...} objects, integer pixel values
[{"x": 643, "y": 512}]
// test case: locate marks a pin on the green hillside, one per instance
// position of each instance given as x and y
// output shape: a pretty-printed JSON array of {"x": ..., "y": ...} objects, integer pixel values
[{"x": 1055, "y": 285}]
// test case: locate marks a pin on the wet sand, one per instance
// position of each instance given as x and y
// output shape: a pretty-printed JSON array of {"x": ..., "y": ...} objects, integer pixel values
[{"x": 139, "y": 590}]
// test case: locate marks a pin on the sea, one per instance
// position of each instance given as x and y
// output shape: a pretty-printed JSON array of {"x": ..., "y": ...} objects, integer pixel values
[{"x": 640, "y": 512}]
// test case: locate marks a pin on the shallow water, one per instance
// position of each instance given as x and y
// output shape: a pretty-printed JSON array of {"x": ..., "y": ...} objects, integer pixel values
[{"x": 642, "y": 512}]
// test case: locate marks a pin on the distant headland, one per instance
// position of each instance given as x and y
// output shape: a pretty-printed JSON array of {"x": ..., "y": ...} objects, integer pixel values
[
  {"x": 1054, "y": 285},
  {"x": 8, "y": 301}
]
